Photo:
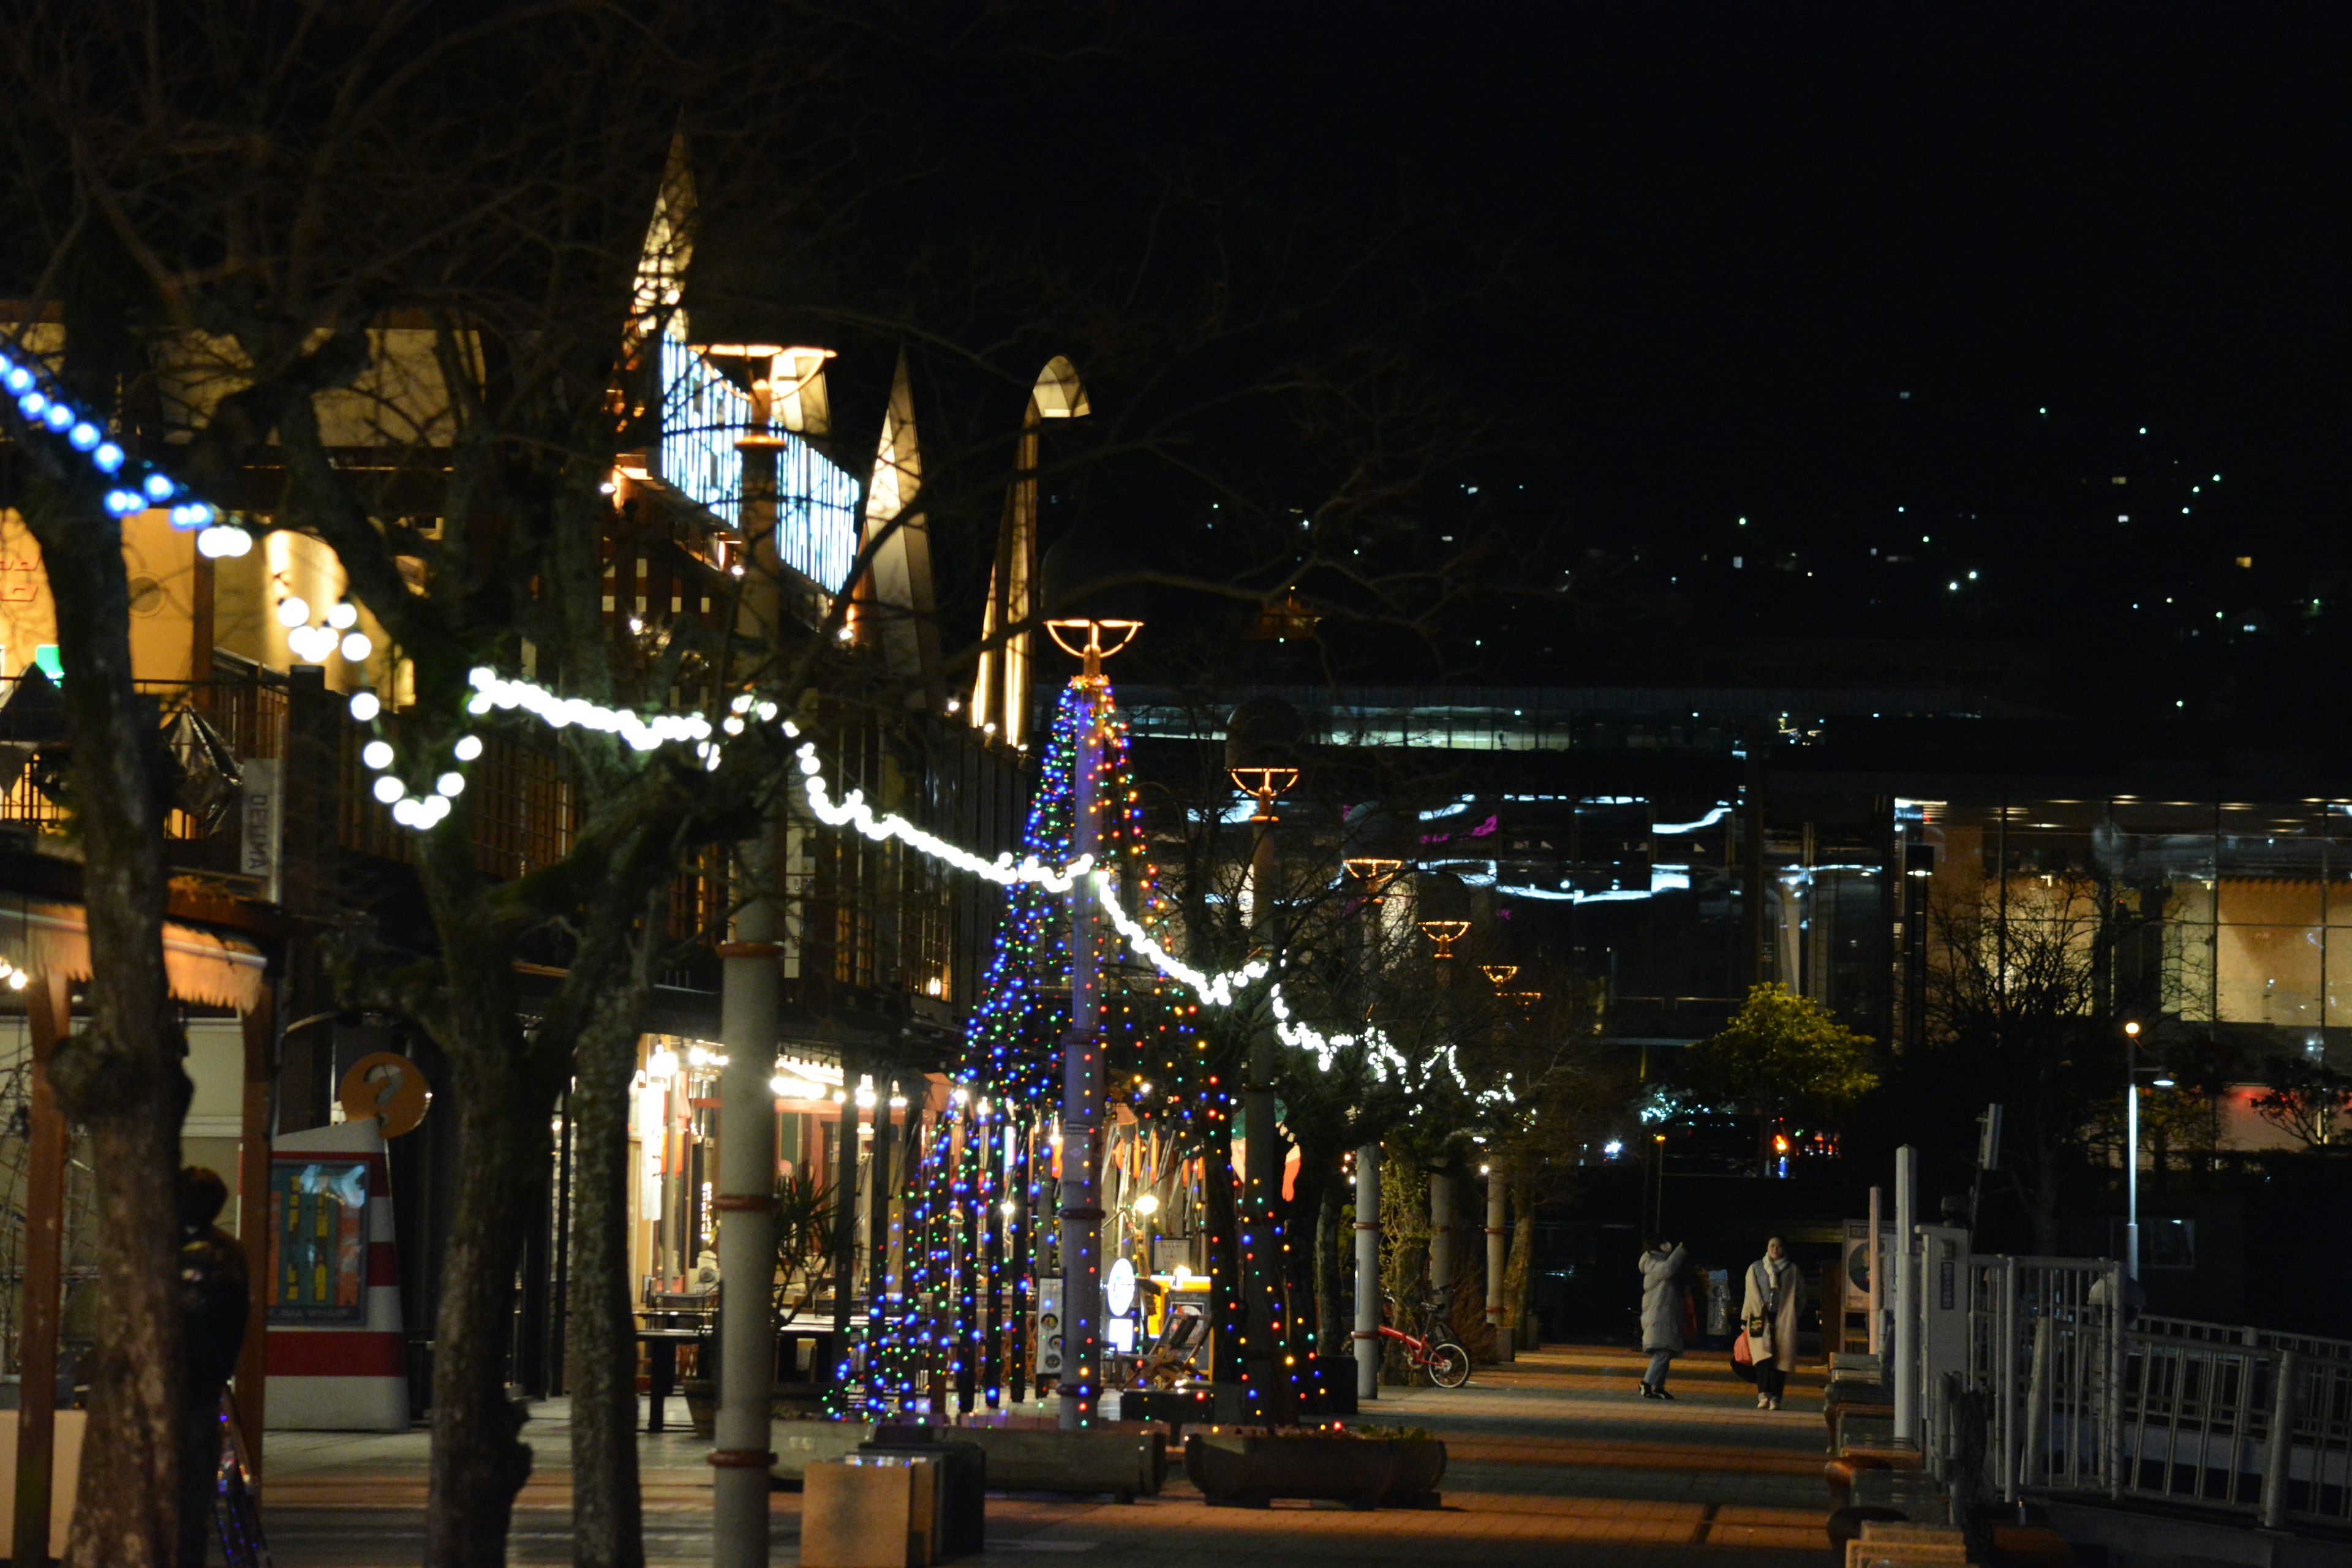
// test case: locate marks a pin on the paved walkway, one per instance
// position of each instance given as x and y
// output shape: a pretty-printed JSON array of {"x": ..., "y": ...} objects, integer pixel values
[{"x": 1552, "y": 1461}]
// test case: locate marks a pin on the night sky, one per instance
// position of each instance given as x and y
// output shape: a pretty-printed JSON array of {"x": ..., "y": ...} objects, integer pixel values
[
  {"x": 1758, "y": 233},
  {"x": 1868, "y": 279}
]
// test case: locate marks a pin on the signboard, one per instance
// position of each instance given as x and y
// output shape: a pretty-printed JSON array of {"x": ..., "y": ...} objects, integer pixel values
[
  {"x": 388, "y": 1087},
  {"x": 261, "y": 828},
  {"x": 1854, "y": 1261},
  {"x": 318, "y": 1241},
  {"x": 1118, "y": 1288}
]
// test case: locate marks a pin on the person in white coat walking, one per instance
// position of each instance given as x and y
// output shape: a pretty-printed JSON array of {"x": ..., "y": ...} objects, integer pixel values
[
  {"x": 1775, "y": 1299},
  {"x": 1662, "y": 1313}
]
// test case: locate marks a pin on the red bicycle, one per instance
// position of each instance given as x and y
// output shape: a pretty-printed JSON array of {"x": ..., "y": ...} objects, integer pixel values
[{"x": 1446, "y": 1362}]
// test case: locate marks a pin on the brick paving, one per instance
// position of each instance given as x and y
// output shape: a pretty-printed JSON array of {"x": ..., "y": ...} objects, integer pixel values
[{"x": 1552, "y": 1461}]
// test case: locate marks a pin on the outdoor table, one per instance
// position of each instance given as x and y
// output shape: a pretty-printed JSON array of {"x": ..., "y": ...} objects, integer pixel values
[{"x": 661, "y": 1353}]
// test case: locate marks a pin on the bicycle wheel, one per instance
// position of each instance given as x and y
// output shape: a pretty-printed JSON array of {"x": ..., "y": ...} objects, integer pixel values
[{"x": 1449, "y": 1364}]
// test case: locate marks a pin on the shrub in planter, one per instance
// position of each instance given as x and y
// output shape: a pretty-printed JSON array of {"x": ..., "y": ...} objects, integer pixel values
[
  {"x": 1419, "y": 1464},
  {"x": 1251, "y": 1469}
]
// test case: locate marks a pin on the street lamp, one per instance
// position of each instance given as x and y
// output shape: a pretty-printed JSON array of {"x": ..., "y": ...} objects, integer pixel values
[
  {"x": 1443, "y": 934},
  {"x": 1263, "y": 742},
  {"x": 1089, "y": 636},
  {"x": 1375, "y": 872},
  {"x": 2131, "y": 1149}
]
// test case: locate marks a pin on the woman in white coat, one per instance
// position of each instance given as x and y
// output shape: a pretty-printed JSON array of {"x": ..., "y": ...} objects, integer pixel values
[
  {"x": 1776, "y": 1299},
  {"x": 1662, "y": 1313}
]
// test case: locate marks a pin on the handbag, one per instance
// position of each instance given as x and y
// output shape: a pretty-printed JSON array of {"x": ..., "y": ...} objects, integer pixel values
[{"x": 1743, "y": 1358}]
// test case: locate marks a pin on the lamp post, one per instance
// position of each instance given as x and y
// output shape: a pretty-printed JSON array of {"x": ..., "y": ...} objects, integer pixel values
[
  {"x": 2131, "y": 1149},
  {"x": 1258, "y": 739},
  {"x": 1373, "y": 873},
  {"x": 1091, "y": 641}
]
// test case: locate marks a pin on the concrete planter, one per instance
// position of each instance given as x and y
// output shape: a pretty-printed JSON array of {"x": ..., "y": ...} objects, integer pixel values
[
  {"x": 1123, "y": 1465},
  {"x": 800, "y": 1444},
  {"x": 1242, "y": 1470},
  {"x": 1420, "y": 1467}
]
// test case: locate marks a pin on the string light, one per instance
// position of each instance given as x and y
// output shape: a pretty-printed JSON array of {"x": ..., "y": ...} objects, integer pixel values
[{"x": 47, "y": 413}]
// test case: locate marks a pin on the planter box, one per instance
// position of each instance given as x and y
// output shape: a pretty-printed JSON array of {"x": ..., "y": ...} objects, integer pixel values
[
  {"x": 1124, "y": 1465},
  {"x": 866, "y": 1511},
  {"x": 800, "y": 1444},
  {"x": 1420, "y": 1467},
  {"x": 1240, "y": 1470}
]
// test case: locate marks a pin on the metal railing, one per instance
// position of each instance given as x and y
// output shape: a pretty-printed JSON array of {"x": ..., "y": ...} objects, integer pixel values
[
  {"x": 2202, "y": 1423},
  {"x": 2196, "y": 1414},
  {"x": 2312, "y": 1345},
  {"x": 2045, "y": 1351}
]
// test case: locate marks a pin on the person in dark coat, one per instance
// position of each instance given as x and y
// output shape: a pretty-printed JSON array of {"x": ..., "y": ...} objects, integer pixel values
[
  {"x": 1662, "y": 1313},
  {"x": 215, "y": 1299}
]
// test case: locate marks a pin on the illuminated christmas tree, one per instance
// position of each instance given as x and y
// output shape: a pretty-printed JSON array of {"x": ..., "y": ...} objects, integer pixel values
[{"x": 982, "y": 1183}]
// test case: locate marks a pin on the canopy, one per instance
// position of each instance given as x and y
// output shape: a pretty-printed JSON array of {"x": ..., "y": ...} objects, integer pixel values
[{"x": 203, "y": 967}]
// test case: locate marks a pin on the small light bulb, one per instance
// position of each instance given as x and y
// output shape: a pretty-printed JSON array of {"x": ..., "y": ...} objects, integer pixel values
[
  {"x": 450, "y": 784},
  {"x": 344, "y": 616},
  {"x": 389, "y": 789},
  {"x": 292, "y": 612},
  {"x": 357, "y": 645},
  {"x": 377, "y": 754},
  {"x": 467, "y": 748},
  {"x": 365, "y": 705}
]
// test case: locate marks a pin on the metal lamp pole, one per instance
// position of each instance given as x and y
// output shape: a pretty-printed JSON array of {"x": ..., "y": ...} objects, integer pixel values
[
  {"x": 1082, "y": 1056},
  {"x": 1374, "y": 872},
  {"x": 2131, "y": 1149},
  {"x": 1261, "y": 1177}
]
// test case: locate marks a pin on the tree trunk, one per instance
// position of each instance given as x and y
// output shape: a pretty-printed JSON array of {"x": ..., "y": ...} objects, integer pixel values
[
  {"x": 1518, "y": 1272},
  {"x": 1219, "y": 1200},
  {"x": 479, "y": 1461},
  {"x": 120, "y": 1078},
  {"x": 1301, "y": 1281},
  {"x": 1333, "y": 1330},
  {"x": 608, "y": 1516},
  {"x": 503, "y": 1103}
]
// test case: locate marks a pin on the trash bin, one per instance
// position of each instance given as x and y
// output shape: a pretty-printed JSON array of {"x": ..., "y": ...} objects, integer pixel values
[{"x": 963, "y": 1486}]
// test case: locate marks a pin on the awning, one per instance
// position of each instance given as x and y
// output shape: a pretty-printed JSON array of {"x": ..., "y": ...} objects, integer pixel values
[{"x": 216, "y": 970}]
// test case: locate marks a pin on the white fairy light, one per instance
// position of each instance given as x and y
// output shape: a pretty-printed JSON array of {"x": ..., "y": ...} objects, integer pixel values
[
  {"x": 853, "y": 812},
  {"x": 365, "y": 706}
]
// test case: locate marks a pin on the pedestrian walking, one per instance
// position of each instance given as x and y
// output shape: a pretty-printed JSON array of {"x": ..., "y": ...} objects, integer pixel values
[
  {"x": 1662, "y": 1313},
  {"x": 1776, "y": 1298},
  {"x": 213, "y": 1303}
]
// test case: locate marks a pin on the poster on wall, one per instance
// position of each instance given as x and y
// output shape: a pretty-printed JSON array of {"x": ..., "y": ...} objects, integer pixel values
[{"x": 318, "y": 1241}]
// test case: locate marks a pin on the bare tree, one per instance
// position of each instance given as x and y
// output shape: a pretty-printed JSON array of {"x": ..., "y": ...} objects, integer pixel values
[{"x": 2013, "y": 1016}]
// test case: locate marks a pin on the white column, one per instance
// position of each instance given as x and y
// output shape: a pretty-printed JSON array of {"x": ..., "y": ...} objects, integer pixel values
[
  {"x": 1506, "y": 1333},
  {"x": 746, "y": 1202},
  {"x": 1082, "y": 1105},
  {"x": 1877, "y": 1269},
  {"x": 1368, "y": 1272},
  {"x": 1906, "y": 1295},
  {"x": 1441, "y": 1236}
]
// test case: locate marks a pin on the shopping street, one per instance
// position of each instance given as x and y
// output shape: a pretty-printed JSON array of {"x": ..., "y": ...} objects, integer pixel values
[{"x": 1551, "y": 1459}]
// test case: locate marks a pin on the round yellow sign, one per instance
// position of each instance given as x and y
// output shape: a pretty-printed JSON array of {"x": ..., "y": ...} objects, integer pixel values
[{"x": 386, "y": 1085}]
